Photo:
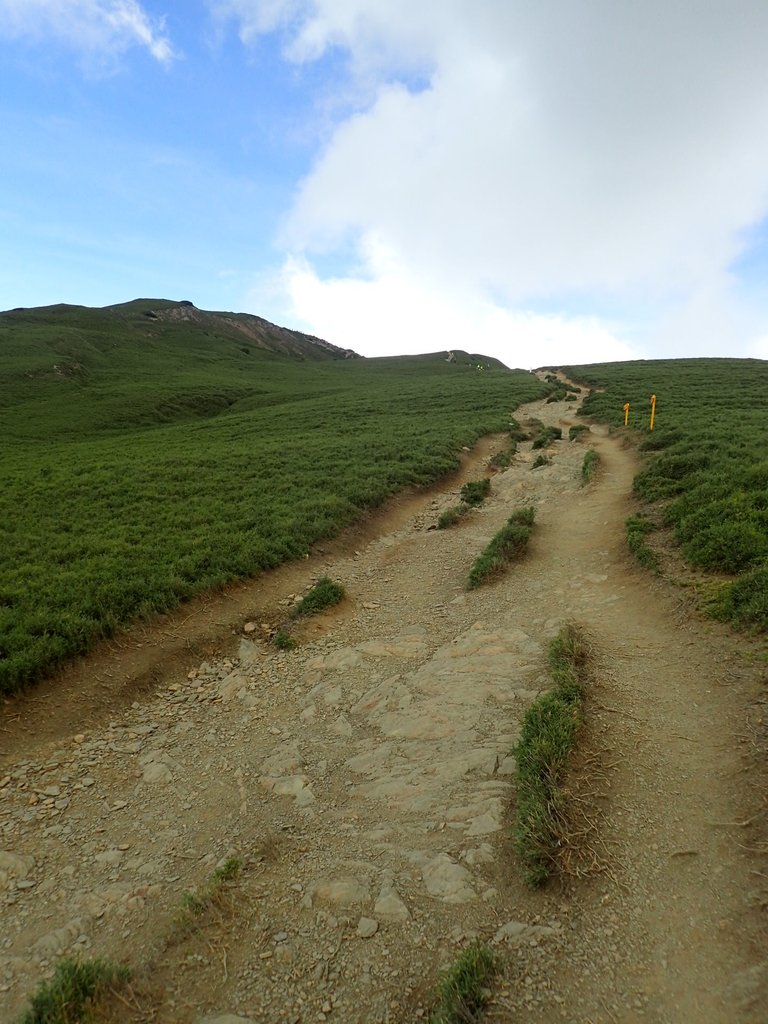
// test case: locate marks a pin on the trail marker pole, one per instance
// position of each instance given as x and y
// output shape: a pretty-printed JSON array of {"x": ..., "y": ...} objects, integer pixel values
[
  {"x": 653, "y": 410},
  {"x": 626, "y": 413}
]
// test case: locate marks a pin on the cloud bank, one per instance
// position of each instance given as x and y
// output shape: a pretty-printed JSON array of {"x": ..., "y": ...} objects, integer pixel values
[
  {"x": 546, "y": 157},
  {"x": 98, "y": 28}
]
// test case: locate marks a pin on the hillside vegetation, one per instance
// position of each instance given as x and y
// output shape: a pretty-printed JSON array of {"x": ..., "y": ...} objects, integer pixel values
[
  {"x": 707, "y": 464},
  {"x": 148, "y": 458}
]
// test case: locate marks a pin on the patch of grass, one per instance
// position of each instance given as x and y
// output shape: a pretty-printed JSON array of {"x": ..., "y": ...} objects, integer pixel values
[
  {"x": 548, "y": 736},
  {"x": 577, "y": 430},
  {"x": 197, "y": 903},
  {"x": 324, "y": 594},
  {"x": 474, "y": 492},
  {"x": 516, "y": 432},
  {"x": 706, "y": 463},
  {"x": 73, "y": 993},
  {"x": 450, "y": 516},
  {"x": 541, "y": 460},
  {"x": 638, "y": 527},
  {"x": 559, "y": 394},
  {"x": 589, "y": 466},
  {"x": 547, "y": 436},
  {"x": 571, "y": 397},
  {"x": 502, "y": 460},
  {"x": 461, "y": 993},
  {"x": 283, "y": 640},
  {"x": 509, "y": 543}
]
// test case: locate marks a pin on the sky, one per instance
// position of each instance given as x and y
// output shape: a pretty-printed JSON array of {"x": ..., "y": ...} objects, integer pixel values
[{"x": 565, "y": 181}]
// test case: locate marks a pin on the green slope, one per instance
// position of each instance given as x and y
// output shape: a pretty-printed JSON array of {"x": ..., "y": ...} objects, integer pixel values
[{"x": 145, "y": 462}]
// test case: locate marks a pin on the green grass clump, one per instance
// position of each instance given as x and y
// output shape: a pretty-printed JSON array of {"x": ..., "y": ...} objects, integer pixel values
[
  {"x": 70, "y": 997},
  {"x": 450, "y": 516},
  {"x": 198, "y": 902},
  {"x": 509, "y": 543},
  {"x": 638, "y": 527},
  {"x": 548, "y": 736},
  {"x": 706, "y": 461},
  {"x": 503, "y": 459},
  {"x": 461, "y": 994},
  {"x": 558, "y": 395},
  {"x": 577, "y": 430},
  {"x": 283, "y": 640},
  {"x": 147, "y": 461},
  {"x": 547, "y": 436},
  {"x": 589, "y": 466},
  {"x": 516, "y": 432},
  {"x": 474, "y": 492},
  {"x": 744, "y": 602},
  {"x": 541, "y": 460},
  {"x": 324, "y": 594}
]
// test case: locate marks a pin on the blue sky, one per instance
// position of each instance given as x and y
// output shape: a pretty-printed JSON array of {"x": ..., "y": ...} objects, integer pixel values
[{"x": 545, "y": 183}]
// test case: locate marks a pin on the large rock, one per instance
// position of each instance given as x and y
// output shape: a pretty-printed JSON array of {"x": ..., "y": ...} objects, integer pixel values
[{"x": 450, "y": 881}]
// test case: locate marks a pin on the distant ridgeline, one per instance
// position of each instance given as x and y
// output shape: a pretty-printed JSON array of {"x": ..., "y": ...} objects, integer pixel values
[
  {"x": 152, "y": 450},
  {"x": 707, "y": 470}
]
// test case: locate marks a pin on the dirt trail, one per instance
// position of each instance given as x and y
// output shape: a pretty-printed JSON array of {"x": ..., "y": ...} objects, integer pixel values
[{"x": 365, "y": 782}]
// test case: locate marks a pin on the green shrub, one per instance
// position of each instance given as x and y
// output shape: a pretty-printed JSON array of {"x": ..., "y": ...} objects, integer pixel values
[
  {"x": 541, "y": 460},
  {"x": 474, "y": 492},
  {"x": 503, "y": 459},
  {"x": 728, "y": 546},
  {"x": 547, "y": 436},
  {"x": 283, "y": 640},
  {"x": 577, "y": 430},
  {"x": 461, "y": 994},
  {"x": 516, "y": 432},
  {"x": 589, "y": 466},
  {"x": 548, "y": 736},
  {"x": 745, "y": 601},
  {"x": 509, "y": 543},
  {"x": 71, "y": 995},
  {"x": 638, "y": 527},
  {"x": 324, "y": 594},
  {"x": 450, "y": 516}
]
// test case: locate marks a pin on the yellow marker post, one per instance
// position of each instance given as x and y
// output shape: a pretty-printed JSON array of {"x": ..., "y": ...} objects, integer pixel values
[
  {"x": 653, "y": 410},
  {"x": 626, "y": 413}
]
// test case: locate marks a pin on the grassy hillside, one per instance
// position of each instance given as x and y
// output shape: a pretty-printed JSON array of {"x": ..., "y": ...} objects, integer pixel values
[
  {"x": 707, "y": 464},
  {"x": 146, "y": 460}
]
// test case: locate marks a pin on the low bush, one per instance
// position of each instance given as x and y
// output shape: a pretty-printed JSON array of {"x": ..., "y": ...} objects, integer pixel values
[
  {"x": 510, "y": 542},
  {"x": 577, "y": 430},
  {"x": 324, "y": 594},
  {"x": 541, "y": 460},
  {"x": 461, "y": 994},
  {"x": 638, "y": 527},
  {"x": 474, "y": 492},
  {"x": 547, "y": 436},
  {"x": 283, "y": 640},
  {"x": 589, "y": 466},
  {"x": 548, "y": 736},
  {"x": 70, "y": 997},
  {"x": 744, "y": 602},
  {"x": 516, "y": 432},
  {"x": 450, "y": 516},
  {"x": 503, "y": 459}
]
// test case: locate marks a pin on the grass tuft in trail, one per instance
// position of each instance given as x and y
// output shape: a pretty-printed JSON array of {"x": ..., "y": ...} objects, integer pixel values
[
  {"x": 461, "y": 994},
  {"x": 577, "y": 430},
  {"x": 474, "y": 492},
  {"x": 503, "y": 460},
  {"x": 509, "y": 543},
  {"x": 324, "y": 594},
  {"x": 73, "y": 993},
  {"x": 546, "y": 436},
  {"x": 541, "y": 460},
  {"x": 589, "y": 466},
  {"x": 548, "y": 736},
  {"x": 638, "y": 527},
  {"x": 450, "y": 516},
  {"x": 194, "y": 905}
]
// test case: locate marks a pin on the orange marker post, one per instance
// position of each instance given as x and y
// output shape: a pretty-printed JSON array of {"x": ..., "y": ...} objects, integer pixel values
[
  {"x": 626, "y": 413},
  {"x": 653, "y": 410}
]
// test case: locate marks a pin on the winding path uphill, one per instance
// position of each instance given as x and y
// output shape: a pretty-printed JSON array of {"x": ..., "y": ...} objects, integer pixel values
[{"x": 366, "y": 783}]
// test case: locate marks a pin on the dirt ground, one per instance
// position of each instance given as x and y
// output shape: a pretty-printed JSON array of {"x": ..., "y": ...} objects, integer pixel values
[{"x": 365, "y": 782}]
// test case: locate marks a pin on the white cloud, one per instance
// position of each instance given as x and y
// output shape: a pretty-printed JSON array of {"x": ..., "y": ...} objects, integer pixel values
[
  {"x": 99, "y": 28},
  {"x": 554, "y": 152},
  {"x": 393, "y": 312}
]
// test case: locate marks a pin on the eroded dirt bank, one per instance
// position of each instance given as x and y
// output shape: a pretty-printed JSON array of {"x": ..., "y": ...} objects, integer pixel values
[{"x": 365, "y": 781}]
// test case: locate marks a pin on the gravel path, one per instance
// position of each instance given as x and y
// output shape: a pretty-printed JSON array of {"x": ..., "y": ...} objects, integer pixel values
[{"x": 365, "y": 781}]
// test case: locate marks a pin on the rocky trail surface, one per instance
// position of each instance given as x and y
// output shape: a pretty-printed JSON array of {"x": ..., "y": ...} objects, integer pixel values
[{"x": 365, "y": 784}]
